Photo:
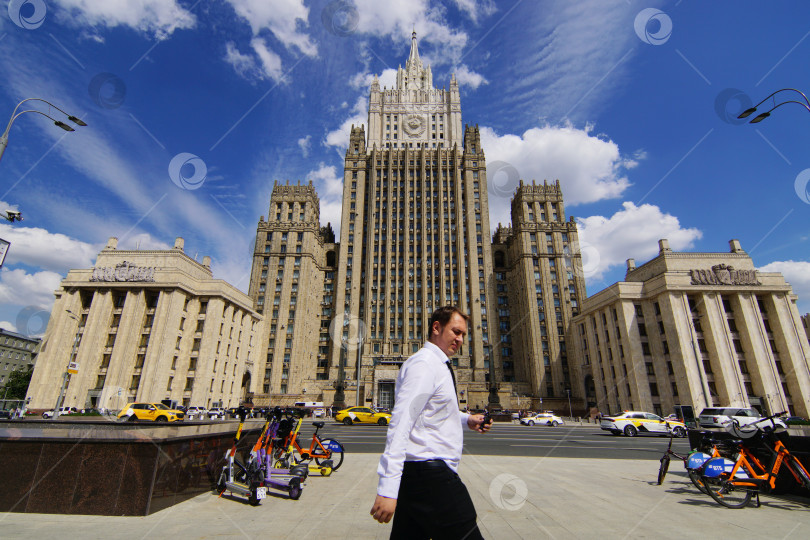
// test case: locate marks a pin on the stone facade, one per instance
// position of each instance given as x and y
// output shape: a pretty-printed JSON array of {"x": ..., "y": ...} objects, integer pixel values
[
  {"x": 539, "y": 286},
  {"x": 414, "y": 236},
  {"x": 17, "y": 352},
  {"x": 147, "y": 326},
  {"x": 699, "y": 329}
]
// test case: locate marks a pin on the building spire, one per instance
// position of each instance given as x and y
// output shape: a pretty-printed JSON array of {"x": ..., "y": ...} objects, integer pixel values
[{"x": 413, "y": 58}]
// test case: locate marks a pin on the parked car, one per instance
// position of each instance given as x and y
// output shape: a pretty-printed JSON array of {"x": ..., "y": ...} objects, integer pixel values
[
  {"x": 632, "y": 423},
  {"x": 196, "y": 412},
  {"x": 544, "y": 419},
  {"x": 794, "y": 420},
  {"x": 216, "y": 413},
  {"x": 62, "y": 411},
  {"x": 719, "y": 417},
  {"x": 363, "y": 415},
  {"x": 157, "y": 412},
  {"x": 5, "y": 415}
]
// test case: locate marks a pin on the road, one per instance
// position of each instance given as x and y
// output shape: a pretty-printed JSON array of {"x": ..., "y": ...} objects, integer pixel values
[{"x": 586, "y": 441}]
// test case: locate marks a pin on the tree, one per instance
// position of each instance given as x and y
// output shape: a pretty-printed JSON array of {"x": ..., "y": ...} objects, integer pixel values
[{"x": 17, "y": 383}]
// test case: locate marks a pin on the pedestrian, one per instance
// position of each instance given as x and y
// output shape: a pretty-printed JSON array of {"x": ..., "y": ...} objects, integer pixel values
[{"x": 419, "y": 484}]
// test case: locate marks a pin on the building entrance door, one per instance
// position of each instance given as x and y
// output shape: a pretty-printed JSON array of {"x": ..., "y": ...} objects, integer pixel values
[{"x": 385, "y": 395}]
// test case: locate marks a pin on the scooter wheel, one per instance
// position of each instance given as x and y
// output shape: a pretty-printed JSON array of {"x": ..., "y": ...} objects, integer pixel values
[
  {"x": 295, "y": 489},
  {"x": 221, "y": 484},
  {"x": 326, "y": 471}
]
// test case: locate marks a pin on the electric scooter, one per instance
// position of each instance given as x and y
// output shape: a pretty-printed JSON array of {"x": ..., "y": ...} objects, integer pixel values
[
  {"x": 236, "y": 477},
  {"x": 289, "y": 480}
]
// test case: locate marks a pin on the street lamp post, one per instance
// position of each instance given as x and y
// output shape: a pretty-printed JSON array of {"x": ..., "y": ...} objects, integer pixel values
[
  {"x": 762, "y": 116},
  {"x": 65, "y": 375},
  {"x": 570, "y": 410},
  {"x": 494, "y": 400},
  {"x": 58, "y": 123}
]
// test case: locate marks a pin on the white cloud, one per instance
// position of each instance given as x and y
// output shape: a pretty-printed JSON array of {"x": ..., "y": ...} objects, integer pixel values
[
  {"x": 476, "y": 8},
  {"x": 37, "y": 247},
  {"x": 270, "y": 61},
  {"x": 161, "y": 17},
  {"x": 305, "y": 143},
  {"x": 20, "y": 288},
  {"x": 329, "y": 186},
  {"x": 589, "y": 168},
  {"x": 244, "y": 64},
  {"x": 283, "y": 18},
  {"x": 339, "y": 138},
  {"x": 631, "y": 233},
  {"x": 466, "y": 77},
  {"x": 362, "y": 81},
  {"x": 797, "y": 273},
  {"x": 5, "y": 325},
  {"x": 398, "y": 19},
  {"x": 143, "y": 241}
]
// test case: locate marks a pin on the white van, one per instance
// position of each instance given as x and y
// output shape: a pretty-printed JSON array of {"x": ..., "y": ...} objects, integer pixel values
[{"x": 316, "y": 408}]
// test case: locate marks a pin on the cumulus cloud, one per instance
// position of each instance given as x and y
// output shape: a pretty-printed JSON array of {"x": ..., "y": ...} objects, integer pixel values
[
  {"x": 283, "y": 18},
  {"x": 589, "y": 168},
  {"x": 630, "y": 233},
  {"x": 467, "y": 77},
  {"x": 475, "y": 8},
  {"x": 362, "y": 81},
  {"x": 40, "y": 248},
  {"x": 17, "y": 287},
  {"x": 339, "y": 138},
  {"x": 245, "y": 65},
  {"x": 5, "y": 325},
  {"x": 305, "y": 143},
  {"x": 797, "y": 273},
  {"x": 158, "y": 17}
]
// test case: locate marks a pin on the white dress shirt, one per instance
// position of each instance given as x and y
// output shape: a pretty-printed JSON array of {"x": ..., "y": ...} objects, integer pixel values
[{"x": 426, "y": 422}]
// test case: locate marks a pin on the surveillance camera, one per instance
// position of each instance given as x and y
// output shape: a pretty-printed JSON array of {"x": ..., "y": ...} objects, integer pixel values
[{"x": 13, "y": 216}]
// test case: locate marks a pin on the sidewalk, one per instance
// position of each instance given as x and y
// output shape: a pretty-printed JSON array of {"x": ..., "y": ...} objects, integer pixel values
[{"x": 516, "y": 497}]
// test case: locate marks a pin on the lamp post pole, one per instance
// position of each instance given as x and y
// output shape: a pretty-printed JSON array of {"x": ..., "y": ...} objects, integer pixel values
[
  {"x": 570, "y": 411},
  {"x": 65, "y": 375},
  {"x": 58, "y": 123}
]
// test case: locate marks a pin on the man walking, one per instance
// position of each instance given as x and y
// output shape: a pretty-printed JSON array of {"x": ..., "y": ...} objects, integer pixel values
[{"x": 419, "y": 485}]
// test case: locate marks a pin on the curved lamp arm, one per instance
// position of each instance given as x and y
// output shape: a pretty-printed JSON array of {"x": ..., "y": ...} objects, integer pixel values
[{"x": 748, "y": 112}]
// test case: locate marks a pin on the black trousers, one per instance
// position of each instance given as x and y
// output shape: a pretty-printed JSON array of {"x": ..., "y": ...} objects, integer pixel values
[{"x": 434, "y": 503}]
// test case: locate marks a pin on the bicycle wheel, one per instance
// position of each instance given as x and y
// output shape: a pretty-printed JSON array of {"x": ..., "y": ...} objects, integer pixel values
[
  {"x": 336, "y": 453},
  {"x": 662, "y": 470},
  {"x": 698, "y": 483},
  {"x": 726, "y": 493}
]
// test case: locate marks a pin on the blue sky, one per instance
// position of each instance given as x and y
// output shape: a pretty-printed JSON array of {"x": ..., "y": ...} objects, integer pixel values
[{"x": 630, "y": 104}]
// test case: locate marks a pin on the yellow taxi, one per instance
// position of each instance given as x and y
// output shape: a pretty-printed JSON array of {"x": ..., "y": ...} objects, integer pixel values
[
  {"x": 362, "y": 415},
  {"x": 632, "y": 423},
  {"x": 157, "y": 412}
]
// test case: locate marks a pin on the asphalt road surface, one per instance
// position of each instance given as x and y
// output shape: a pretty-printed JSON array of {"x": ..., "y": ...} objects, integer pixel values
[{"x": 507, "y": 439}]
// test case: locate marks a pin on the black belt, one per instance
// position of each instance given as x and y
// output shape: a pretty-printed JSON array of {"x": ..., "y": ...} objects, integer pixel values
[{"x": 430, "y": 464}]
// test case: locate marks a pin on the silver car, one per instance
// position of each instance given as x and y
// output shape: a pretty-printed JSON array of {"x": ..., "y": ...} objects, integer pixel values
[{"x": 718, "y": 417}]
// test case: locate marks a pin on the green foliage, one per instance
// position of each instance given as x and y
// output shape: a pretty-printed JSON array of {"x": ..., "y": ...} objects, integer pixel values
[{"x": 17, "y": 383}]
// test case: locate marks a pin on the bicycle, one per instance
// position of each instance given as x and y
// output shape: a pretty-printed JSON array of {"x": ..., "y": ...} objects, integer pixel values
[
  {"x": 733, "y": 484},
  {"x": 693, "y": 461},
  {"x": 321, "y": 450}
]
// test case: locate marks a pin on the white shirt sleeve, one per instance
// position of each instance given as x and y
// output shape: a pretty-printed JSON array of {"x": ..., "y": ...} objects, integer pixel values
[{"x": 415, "y": 385}]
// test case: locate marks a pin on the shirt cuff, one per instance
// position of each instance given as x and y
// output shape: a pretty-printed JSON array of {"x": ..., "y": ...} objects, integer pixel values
[
  {"x": 389, "y": 487},
  {"x": 464, "y": 417}
]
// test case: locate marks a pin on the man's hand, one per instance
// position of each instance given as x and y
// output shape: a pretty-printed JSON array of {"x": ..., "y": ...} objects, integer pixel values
[
  {"x": 383, "y": 509},
  {"x": 476, "y": 423}
]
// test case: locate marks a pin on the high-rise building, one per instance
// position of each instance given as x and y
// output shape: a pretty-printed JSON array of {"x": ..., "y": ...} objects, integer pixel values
[
  {"x": 17, "y": 353},
  {"x": 414, "y": 236}
]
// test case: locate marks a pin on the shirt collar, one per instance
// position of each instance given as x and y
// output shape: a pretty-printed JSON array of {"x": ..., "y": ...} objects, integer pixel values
[{"x": 437, "y": 351}]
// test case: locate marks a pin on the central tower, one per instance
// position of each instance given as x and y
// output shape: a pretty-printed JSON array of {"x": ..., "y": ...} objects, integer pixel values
[
  {"x": 414, "y": 114},
  {"x": 414, "y": 236}
]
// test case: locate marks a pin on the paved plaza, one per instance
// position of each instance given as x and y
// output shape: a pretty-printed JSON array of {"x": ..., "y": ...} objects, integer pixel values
[{"x": 516, "y": 497}]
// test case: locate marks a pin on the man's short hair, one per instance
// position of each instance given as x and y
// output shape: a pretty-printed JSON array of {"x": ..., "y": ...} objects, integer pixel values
[{"x": 443, "y": 316}]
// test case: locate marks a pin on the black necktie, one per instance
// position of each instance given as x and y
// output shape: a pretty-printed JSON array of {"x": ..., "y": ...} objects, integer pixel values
[{"x": 453, "y": 376}]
